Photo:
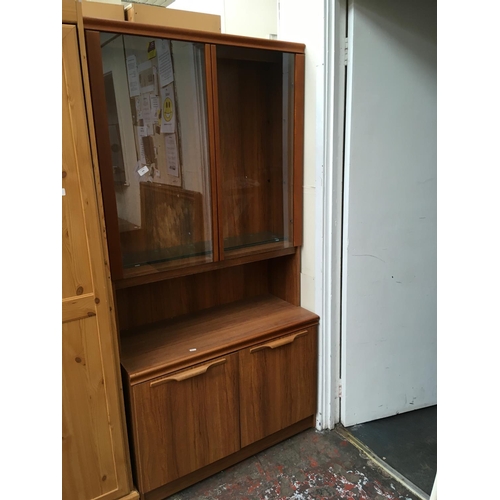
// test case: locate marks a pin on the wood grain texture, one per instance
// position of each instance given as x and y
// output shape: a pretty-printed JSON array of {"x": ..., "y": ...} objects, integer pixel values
[
  {"x": 284, "y": 278},
  {"x": 69, "y": 11},
  {"x": 171, "y": 231},
  {"x": 89, "y": 468},
  {"x": 250, "y": 157},
  {"x": 159, "y": 349},
  {"x": 181, "y": 426},
  {"x": 140, "y": 306},
  {"x": 246, "y": 452},
  {"x": 150, "y": 14},
  {"x": 218, "y": 179},
  {"x": 80, "y": 307},
  {"x": 159, "y": 272},
  {"x": 278, "y": 383},
  {"x": 76, "y": 271},
  {"x": 211, "y": 85},
  {"x": 103, "y": 10},
  {"x": 190, "y": 35},
  {"x": 95, "y": 455},
  {"x": 298, "y": 149},
  {"x": 96, "y": 78}
]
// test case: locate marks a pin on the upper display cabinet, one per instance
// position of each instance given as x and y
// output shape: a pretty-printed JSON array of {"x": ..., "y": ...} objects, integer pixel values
[{"x": 199, "y": 139}]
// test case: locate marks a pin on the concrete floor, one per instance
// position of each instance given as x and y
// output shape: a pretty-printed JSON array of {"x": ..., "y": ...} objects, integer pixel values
[
  {"x": 407, "y": 442},
  {"x": 312, "y": 465}
]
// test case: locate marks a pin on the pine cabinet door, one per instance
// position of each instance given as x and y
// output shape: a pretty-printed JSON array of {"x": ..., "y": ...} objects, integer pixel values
[
  {"x": 277, "y": 384},
  {"x": 94, "y": 455}
]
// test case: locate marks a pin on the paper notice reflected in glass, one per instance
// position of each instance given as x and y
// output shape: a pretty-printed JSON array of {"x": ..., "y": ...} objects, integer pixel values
[
  {"x": 172, "y": 154},
  {"x": 146, "y": 77},
  {"x": 146, "y": 114},
  {"x": 133, "y": 76},
  {"x": 155, "y": 108},
  {"x": 167, "y": 110},
  {"x": 165, "y": 69},
  {"x": 140, "y": 133}
]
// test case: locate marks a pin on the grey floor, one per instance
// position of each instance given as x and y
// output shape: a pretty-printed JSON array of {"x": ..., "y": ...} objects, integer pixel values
[{"x": 407, "y": 442}]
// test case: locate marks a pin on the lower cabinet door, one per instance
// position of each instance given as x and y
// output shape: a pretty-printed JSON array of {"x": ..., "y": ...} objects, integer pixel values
[
  {"x": 185, "y": 420},
  {"x": 277, "y": 384}
]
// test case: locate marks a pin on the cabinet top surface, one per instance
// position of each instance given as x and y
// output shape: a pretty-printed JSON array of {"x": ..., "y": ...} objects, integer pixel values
[
  {"x": 155, "y": 350},
  {"x": 133, "y": 28}
]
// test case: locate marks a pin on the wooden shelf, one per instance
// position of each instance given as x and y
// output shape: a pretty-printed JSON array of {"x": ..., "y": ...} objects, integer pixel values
[{"x": 162, "y": 348}]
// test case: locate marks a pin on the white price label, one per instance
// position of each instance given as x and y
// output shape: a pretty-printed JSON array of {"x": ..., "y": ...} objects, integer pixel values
[{"x": 143, "y": 170}]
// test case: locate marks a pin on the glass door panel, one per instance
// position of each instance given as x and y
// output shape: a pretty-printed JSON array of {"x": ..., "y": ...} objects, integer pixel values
[
  {"x": 255, "y": 104},
  {"x": 156, "y": 102}
]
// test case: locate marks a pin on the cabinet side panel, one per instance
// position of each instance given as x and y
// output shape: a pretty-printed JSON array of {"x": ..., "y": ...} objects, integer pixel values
[{"x": 284, "y": 278}]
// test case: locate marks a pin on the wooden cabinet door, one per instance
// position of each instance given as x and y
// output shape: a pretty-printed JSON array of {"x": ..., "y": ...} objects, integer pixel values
[
  {"x": 94, "y": 455},
  {"x": 185, "y": 420},
  {"x": 277, "y": 384}
]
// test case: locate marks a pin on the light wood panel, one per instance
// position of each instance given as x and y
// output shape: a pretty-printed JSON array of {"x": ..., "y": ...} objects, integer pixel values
[
  {"x": 79, "y": 307},
  {"x": 277, "y": 384},
  {"x": 76, "y": 274},
  {"x": 103, "y": 10},
  {"x": 185, "y": 421},
  {"x": 69, "y": 11},
  {"x": 95, "y": 457},
  {"x": 150, "y": 14},
  {"x": 89, "y": 467}
]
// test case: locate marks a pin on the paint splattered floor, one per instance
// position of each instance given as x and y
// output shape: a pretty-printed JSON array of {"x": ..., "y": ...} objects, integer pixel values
[{"x": 311, "y": 465}]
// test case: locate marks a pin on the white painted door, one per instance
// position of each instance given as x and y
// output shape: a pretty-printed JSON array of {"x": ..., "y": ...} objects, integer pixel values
[{"x": 388, "y": 353}]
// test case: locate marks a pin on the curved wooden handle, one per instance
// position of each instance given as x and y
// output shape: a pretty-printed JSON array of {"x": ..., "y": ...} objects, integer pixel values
[
  {"x": 199, "y": 370},
  {"x": 279, "y": 342}
]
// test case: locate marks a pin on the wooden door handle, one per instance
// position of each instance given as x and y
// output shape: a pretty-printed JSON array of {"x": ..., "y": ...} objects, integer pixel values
[
  {"x": 279, "y": 342},
  {"x": 194, "y": 372}
]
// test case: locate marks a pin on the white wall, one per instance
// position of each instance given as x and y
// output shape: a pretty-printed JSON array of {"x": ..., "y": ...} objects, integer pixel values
[
  {"x": 258, "y": 18},
  {"x": 306, "y": 25}
]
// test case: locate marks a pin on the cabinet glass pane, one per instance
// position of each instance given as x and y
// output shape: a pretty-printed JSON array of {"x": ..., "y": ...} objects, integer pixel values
[
  {"x": 255, "y": 99},
  {"x": 157, "y": 118}
]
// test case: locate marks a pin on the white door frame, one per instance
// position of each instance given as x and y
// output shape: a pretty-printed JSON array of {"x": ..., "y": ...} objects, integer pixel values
[{"x": 329, "y": 203}]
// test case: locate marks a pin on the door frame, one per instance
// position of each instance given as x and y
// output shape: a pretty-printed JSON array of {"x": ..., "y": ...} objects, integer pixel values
[{"x": 329, "y": 216}]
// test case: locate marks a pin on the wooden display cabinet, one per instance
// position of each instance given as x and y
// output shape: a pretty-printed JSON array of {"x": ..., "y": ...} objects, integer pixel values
[
  {"x": 203, "y": 163},
  {"x": 200, "y": 144}
]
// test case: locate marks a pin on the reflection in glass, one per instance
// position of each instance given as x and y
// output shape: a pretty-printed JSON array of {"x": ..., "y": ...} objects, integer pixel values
[
  {"x": 255, "y": 97},
  {"x": 156, "y": 107}
]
